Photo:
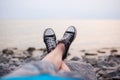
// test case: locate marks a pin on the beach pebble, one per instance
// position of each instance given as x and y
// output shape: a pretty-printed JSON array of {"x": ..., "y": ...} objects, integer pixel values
[
  {"x": 105, "y": 61},
  {"x": 75, "y": 59}
]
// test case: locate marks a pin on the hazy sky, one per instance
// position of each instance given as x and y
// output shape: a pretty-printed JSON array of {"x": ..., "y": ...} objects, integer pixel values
[{"x": 59, "y": 9}]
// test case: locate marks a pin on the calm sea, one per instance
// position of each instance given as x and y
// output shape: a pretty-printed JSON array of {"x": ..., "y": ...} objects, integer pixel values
[{"x": 29, "y": 33}]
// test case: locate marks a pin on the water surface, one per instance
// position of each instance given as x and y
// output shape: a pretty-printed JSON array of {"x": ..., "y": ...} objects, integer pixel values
[{"x": 29, "y": 33}]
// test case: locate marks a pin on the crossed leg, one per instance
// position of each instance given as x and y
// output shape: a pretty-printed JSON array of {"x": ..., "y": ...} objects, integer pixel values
[{"x": 55, "y": 57}]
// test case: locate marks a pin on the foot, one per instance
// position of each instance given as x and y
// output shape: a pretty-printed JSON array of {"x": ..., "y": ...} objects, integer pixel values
[
  {"x": 67, "y": 39},
  {"x": 49, "y": 39}
]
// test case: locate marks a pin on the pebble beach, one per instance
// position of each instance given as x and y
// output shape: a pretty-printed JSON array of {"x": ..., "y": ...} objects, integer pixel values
[{"x": 106, "y": 61}]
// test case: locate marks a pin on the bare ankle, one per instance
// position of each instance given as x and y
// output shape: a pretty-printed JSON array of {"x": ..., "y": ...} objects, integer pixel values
[{"x": 61, "y": 46}]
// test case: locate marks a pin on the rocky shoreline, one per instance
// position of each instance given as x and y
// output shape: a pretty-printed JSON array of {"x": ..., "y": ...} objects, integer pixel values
[{"x": 106, "y": 61}]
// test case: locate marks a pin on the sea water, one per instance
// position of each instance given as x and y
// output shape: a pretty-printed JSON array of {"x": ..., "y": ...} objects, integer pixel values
[{"x": 29, "y": 33}]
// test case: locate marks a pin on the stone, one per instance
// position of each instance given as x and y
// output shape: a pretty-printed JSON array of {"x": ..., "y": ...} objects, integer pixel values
[
  {"x": 90, "y": 54},
  {"x": 43, "y": 49},
  {"x": 31, "y": 49},
  {"x": 92, "y": 61},
  {"x": 27, "y": 54},
  {"x": 75, "y": 59},
  {"x": 7, "y": 52},
  {"x": 114, "y": 50},
  {"x": 100, "y": 51},
  {"x": 37, "y": 54}
]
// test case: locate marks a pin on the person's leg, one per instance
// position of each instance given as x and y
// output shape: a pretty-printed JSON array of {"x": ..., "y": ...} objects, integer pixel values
[
  {"x": 55, "y": 56},
  {"x": 62, "y": 48},
  {"x": 64, "y": 67}
]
